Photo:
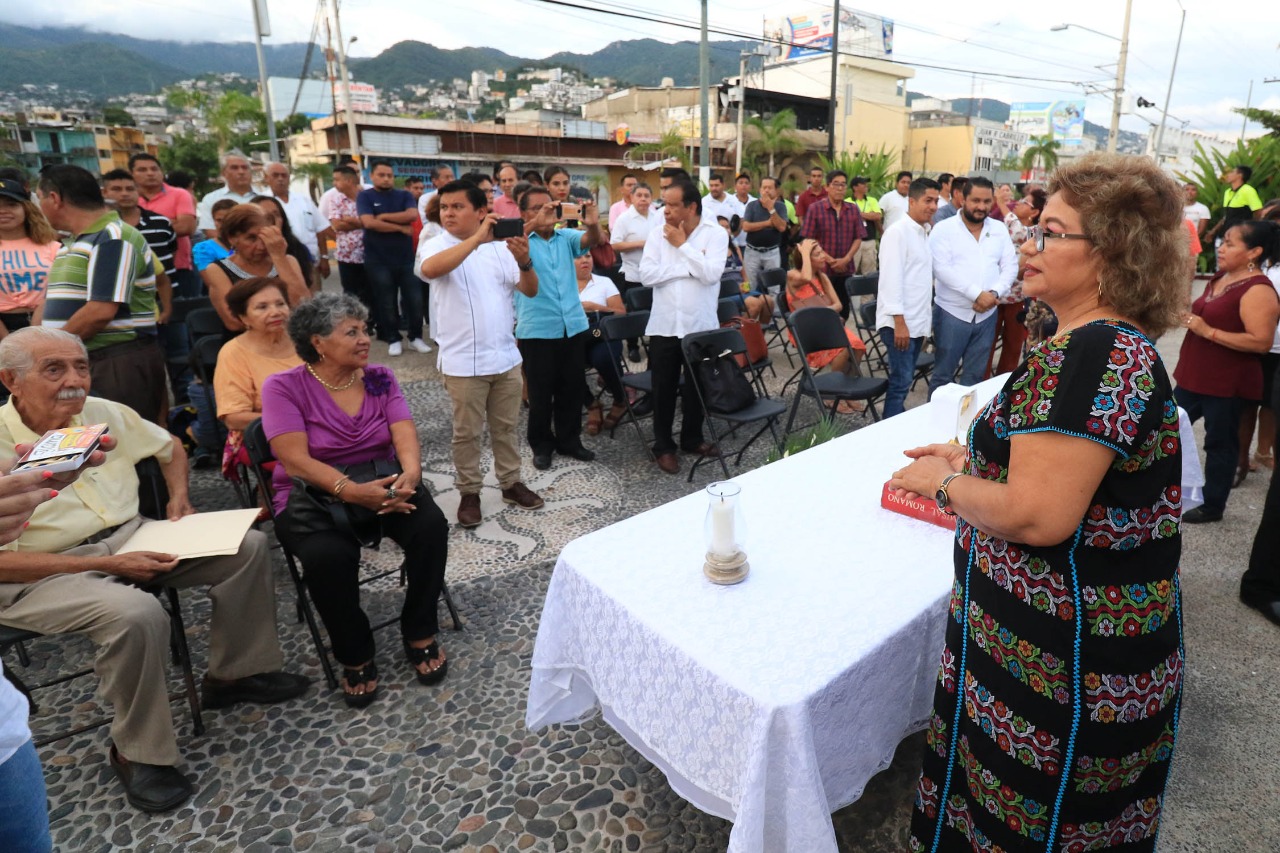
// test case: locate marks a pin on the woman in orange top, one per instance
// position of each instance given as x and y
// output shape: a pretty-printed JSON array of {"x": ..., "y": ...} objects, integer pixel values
[{"x": 807, "y": 289}]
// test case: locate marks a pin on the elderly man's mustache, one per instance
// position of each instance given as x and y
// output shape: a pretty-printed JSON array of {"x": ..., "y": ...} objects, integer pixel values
[{"x": 72, "y": 394}]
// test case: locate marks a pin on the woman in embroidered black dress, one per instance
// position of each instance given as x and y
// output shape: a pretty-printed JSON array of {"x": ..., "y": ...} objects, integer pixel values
[{"x": 1057, "y": 701}]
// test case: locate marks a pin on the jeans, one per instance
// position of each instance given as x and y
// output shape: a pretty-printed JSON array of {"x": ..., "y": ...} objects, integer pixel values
[
  {"x": 756, "y": 263},
  {"x": 210, "y": 435},
  {"x": 553, "y": 367},
  {"x": 24, "y": 826},
  {"x": 902, "y": 369},
  {"x": 1221, "y": 442},
  {"x": 666, "y": 361},
  {"x": 355, "y": 283},
  {"x": 390, "y": 282},
  {"x": 959, "y": 344}
]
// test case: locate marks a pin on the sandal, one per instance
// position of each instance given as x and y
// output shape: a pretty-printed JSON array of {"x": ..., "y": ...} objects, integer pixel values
[
  {"x": 616, "y": 413},
  {"x": 359, "y": 677},
  {"x": 417, "y": 657},
  {"x": 595, "y": 417},
  {"x": 1264, "y": 460}
]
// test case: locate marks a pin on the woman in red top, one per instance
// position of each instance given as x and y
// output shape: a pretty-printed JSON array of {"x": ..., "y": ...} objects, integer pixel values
[{"x": 1229, "y": 326}]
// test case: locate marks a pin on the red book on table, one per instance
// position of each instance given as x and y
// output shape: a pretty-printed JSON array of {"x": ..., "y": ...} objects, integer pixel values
[{"x": 922, "y": 508}]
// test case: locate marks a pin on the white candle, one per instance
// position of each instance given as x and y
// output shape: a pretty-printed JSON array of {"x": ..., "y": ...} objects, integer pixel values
[{"x": 723, "y": 541}]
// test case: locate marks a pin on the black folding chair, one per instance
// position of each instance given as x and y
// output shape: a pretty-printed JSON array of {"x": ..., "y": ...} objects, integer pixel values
[
  {"x": 204, "y": 357},
  {"x": 765, "y": 408},
  {"x": 153, "y": 498},
  {"x": 183, "y": 308},
  {"x": 774, "y": 283},
  {"x": 727, "y": 308},
  {"x": 818, "y": 329},
  {"x": 260, "y": 455},
  {"x": 620, "y": 327},
  {"x": 638, "y": 299},
  {"x": 203, "y": 322},
  {"x": 865, "y": 321}
]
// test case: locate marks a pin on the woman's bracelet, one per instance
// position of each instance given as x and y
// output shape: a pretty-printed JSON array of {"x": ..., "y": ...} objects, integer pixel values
[{"x": 340, "y": 485}]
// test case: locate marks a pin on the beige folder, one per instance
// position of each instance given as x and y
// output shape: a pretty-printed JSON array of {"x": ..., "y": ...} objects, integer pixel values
[{"x": 205, "y": 534}]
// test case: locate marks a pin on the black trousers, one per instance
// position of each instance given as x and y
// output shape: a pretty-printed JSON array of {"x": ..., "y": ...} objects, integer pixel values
[
  {"x": 1221, "y": 442},
  {"x": 331, "y": 566},
  {"x": 667, "y": 364},
  {"x": 355, "y": 283},
  {"x": 837, "y": 282},
  {"x": 1261, "y": 583},
  {"x": 553, "y": 368},
  {"x": 605, "y": 357}
]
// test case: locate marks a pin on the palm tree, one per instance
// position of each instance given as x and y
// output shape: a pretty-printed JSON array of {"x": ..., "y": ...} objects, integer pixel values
[
  {"x": 670, "y": 147},
  {"x": 775, "y": 138},
  {"x": 1043, "y": 151}
]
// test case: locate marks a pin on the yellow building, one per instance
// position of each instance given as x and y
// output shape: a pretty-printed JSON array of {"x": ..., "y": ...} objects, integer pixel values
[
  {"x": 117, "y": 144},
  {"x": 944, "y": 141}
]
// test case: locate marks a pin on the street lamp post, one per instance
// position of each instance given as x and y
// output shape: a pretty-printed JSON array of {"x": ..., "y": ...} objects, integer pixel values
[
  {"x": 1164, "y": 114},
  {"x": 1117, "y": 101}
]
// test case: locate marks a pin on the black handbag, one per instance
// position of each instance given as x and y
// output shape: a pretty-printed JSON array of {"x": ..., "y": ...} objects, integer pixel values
[
  {"x": 725, "y": 388},
  {"x": 312, "y": 510}
]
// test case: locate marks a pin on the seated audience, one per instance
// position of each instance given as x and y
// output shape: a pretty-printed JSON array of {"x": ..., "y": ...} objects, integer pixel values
[
  {"x": 808, "y": 289},
  {"x": 349, "y": 455},
  {"x": 211, "y": 249},
  {"x": 600, "y": 297},
  {"x": 278, "y": 218},
  {"x": 758, "y": 304},
  {"x": 63, "y": 575},
  {"x": 245, "y": 361},
  {"x": 258, "y": 250}
]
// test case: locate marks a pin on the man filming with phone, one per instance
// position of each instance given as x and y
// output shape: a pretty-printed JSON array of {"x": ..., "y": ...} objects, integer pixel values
[{"x": 473, "y": 277}]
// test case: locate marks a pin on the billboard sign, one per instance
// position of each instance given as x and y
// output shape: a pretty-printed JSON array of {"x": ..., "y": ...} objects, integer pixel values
[
  {"x": 1064, "y": 119},
  {"x": 807, "y": 34}
]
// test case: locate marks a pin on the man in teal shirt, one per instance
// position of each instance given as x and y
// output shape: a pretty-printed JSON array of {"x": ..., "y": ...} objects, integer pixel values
[{"x": 551, "y": 328}]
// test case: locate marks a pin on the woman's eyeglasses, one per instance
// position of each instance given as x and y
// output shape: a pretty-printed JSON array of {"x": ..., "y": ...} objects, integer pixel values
[{"x": 1039, "y": 235}]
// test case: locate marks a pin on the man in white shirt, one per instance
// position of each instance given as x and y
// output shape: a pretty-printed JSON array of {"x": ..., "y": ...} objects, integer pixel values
[
  {"x": 237, "y": 176},
  {"x": 904, "y": 302},
  {"x": 473, "y": 281},
  {"x": 439, "y": 176},
  {"x": 629, "y": 235},
  {"x": 1194, "y": 210},
  {"x": 620, "y": 206},
  {"x": 974, "y": 265},
  {"x": 682, "y": 262},
  {"x": 742, "y": 195},
  {"x": 893, "y": 204},
  {"x": 717, "y": 202},
  {"x": 305, "y": 220}
]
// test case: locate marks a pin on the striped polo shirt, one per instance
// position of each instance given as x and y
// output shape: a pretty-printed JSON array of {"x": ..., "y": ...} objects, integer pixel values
[
  {"x": 158, "y": 231},
  {"x": 109, "y": 262}
]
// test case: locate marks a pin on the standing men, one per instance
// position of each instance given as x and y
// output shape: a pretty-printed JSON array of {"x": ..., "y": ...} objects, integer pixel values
[
  {"x": 904, "y": 303},
  {"x": 439, "y": 176},
  {"x": 119, "y": 190},
  {"x": 387, "y": 216},
  {"x": 629, "y": 236},
  {"x": 237, "y": 185},
  {"x": 176, "y": 206},
  {"x": 102, "y": 288},
  {"x": 1239, "y": 201},
  {"x": 957, "y": 201},
  {"x": 838, "y": 227},
  {"x": 813, "y": 193},
  {"x": 472, "y": 280},
  {"x": 620, "y": 206},
  {"x": 505, "y": 205},
  {"x": 552, "y": 328},
  {"x": 339, "y": 207},
  {"x": 765, "y": 221},
  {"x": 305, "y": 220},
  {"x": 893, "y": 204},
  {"x": 742, "y": 195},
  {"x": 717, "y": 202},
  {"x": 683, "y": 263},
  {"x": 864, "y": 260},
  {"x": 974, "y": 265},
  {"x": 1194, "y": 210}
]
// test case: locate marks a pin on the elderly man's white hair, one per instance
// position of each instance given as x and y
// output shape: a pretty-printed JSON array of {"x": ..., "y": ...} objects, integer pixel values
[
  {"x": 233, "y": 154},
  {"x": 17, "y": 349}
]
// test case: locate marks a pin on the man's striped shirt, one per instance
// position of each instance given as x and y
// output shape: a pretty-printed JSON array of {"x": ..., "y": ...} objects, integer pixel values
[{"x": 158, "y": 231}]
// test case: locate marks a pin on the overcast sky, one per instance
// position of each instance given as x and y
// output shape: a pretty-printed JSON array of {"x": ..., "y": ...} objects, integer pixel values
[{"x": 1227, "y": 42}]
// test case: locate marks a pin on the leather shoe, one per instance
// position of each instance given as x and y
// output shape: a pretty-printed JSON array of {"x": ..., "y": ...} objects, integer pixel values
[
  {"x": 1269, "y": 609},
  {"x": 469, "y": 511},
  {"x": 151, "y": 787},
  {"x": 580, "y": 453},
  {"x": 642, "y": 407},
  {"x": 1200, "y": 515},
  {"x": 263, "y": 688},
  {"x": 542, "y": 461},
  {"x": 669, "y": 463},
  {"x": 706, "y": 449}
]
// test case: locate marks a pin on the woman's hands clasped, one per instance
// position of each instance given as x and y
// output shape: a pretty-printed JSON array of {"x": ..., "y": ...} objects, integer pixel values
[
  {"x": 386, "y": 494},
  {"x": 932, "y": 464}
]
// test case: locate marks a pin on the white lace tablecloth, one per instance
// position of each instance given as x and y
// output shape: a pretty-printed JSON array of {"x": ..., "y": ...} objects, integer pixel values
[{"x": 773, "y": 702}]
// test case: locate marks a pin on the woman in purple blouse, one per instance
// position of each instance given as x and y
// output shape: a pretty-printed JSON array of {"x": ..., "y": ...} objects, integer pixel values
[{"x": 336, "y": 411}]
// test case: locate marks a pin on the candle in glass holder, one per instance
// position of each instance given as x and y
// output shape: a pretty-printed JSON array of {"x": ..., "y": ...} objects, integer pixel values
[{"x": 726, "y": 563}]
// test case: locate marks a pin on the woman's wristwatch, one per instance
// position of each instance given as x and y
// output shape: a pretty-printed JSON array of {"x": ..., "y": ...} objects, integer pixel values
[{"x": 942, "y": 498}]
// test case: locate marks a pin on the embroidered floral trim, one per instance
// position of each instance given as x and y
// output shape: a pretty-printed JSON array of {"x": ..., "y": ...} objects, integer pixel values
[
  {"x": 1013, "y": 734},
  {"x": 1128, "y": 698},
  {"x": 1042, "y": 671},
  {"x": 1128, "y": 611},
  {"x": 1094, "y": 774}
]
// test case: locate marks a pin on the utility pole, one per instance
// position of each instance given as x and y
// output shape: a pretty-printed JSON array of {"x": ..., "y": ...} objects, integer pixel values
[
  {"x": 1164, "y": 115},
  {"x": 352, "y": 137},
  {"x": 1114, "y": 136},
  {"x": 742, "y": 108},
  {"x": 1248, "y": 102},
  {"x": 262, "y": 27},
  {"x": 704, "y": 81},
  {"x": 835, "y": 76}
]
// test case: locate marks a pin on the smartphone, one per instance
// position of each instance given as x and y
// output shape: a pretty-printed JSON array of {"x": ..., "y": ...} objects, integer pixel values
[
  {"x": 504, "y": 228},
  {"x": 61, "y": 450},
  {"x": 564, "y": 210}
]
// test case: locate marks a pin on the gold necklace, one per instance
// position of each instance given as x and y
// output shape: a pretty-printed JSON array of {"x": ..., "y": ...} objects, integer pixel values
[{"x": 352, "y": 381}]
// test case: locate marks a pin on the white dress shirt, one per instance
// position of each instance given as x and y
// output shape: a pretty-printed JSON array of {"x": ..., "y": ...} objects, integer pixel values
[
  {"x": 685, "y": 281},
  {"x": 1196, "y": 212},
  {"x": 728, "y": 207},
  {"x": 304, "y": 219},
  {"x": 963, "y": 267},
  {"x": 894, "y": 207},
  {"x": 632, "y": 226},
  {"x": 473, "y": 308},
  {"x": 906, "y": 278}
]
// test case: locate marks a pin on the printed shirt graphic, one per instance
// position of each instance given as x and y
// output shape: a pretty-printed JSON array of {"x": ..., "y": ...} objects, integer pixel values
[{"x": 24, "y": 273}]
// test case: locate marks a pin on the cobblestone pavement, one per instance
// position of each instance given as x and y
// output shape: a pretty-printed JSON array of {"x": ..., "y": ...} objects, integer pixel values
[{"x": 453, "y": 767}]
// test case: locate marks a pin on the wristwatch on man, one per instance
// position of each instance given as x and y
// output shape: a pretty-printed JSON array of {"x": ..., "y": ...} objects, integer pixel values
[
  {"x": 942, "y": 498},
  {"x": 526, "y": 266}
]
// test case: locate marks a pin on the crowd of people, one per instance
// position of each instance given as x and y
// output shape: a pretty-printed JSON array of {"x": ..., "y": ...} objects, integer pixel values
[{"x": 510, "y": 276}]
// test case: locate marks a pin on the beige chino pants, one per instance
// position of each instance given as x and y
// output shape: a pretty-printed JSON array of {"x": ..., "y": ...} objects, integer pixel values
[{"x": 492, "y": 399}]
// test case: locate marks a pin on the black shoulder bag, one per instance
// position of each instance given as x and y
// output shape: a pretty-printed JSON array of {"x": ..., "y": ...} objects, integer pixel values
[
  {"x": 312, "y": 510},
  {"x": 725, "y": 388}
]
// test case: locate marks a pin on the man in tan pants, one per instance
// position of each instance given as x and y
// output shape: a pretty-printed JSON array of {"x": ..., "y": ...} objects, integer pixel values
[
  {"x": 473, "y": 278},
  {"x": 64, "y": 575}
]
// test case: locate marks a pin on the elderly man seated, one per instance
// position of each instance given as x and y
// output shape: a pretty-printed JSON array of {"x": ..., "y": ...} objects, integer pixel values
[{"x": 63, "y": 574}]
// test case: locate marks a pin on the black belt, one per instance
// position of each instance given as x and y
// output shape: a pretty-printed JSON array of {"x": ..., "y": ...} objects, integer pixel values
[{"x": 763, "y": 248}]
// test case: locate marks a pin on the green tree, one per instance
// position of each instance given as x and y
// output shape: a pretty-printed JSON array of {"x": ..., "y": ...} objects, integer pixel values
[
  {"x": 1262, "y": 154},
  {"x": 316, "y": 174},
  {"x": 775, "y": 139},
  {"x": 195, "y": 155},
  {"x": 670, "y": 147},
  {"x": 1270, "y": 119},
  {"x": 877, "y": 168},
  {"x": 117, "y": 116},
  {"x": 225, "y": 116},
  {"x": 1042, "y": 151}
]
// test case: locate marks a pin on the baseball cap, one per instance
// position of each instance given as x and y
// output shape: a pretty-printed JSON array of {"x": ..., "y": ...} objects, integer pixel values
[{"x": 13, "y": 190}]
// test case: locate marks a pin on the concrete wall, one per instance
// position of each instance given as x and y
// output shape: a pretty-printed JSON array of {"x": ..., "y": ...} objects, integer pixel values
[{"x": 949, "y": 149}]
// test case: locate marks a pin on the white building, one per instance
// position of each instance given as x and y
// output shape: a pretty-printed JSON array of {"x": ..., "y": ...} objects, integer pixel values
[{"x": 1178, "y": 148}]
